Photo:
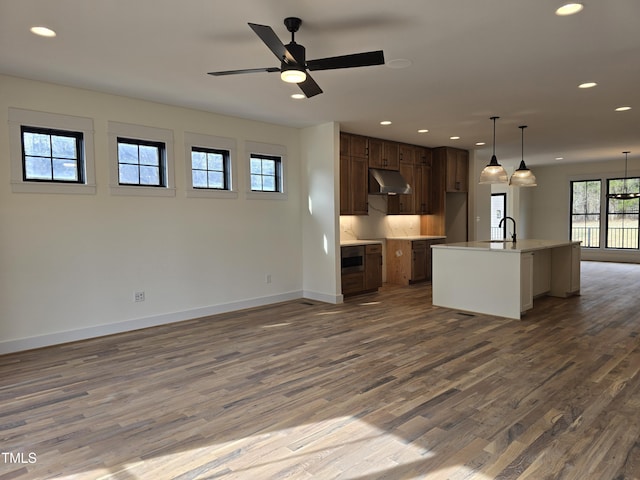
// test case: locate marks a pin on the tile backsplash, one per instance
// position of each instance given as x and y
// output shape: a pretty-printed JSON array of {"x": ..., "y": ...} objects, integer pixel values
[{"x": 378, "y": 224}]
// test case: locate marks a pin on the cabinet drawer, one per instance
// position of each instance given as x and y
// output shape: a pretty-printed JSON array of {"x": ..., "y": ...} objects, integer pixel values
[
  {"x": 419, "y": 245},
  {"x": 352, "y": 283},
  {"x": 372, "y": 249}
]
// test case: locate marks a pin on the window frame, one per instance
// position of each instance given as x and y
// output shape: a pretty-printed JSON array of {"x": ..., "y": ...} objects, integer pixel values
[
  {"x": 30, "y": 119},
  {"x": 608, "y": 215},
  {"x": 599, "y": 213},
  {"x": 54, "y": 132},
  {"x": 116, "y": 130},
  {"x": 161, "y": 162},
  {"x": 267, "y": 150},
  {"x": 199, "y": 140}
]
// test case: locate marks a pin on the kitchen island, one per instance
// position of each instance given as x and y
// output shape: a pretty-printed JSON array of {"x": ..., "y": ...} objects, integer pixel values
[{"x": 503, "y": 277}]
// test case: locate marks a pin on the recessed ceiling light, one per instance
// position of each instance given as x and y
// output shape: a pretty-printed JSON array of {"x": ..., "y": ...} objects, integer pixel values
[
  {"x": 587, "y": 85},
  {"x": 297, "y": 96},
  {"x": 479, "y": 144},
  {"x": 454, "y": 138},
  {"x": 423, "y": 130},
  {"x": 569, "y": 8},
  {"x": 385, "y": 122},
  {"x": 43, "y": 31},
  {"x": 559, "y": 158},
  {"x": 622, "y": 109}
]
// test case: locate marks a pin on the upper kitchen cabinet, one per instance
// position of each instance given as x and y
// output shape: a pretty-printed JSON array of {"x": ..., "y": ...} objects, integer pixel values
[
  {"x": 384, "y": 154},
  {"x": 423, "y": 179},
  {"x": 353, "y": 175},
  {"x": 457, "y": 168}
]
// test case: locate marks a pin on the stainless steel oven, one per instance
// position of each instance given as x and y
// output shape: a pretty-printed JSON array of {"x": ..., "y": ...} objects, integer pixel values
[{"x": 352, "y": 259}]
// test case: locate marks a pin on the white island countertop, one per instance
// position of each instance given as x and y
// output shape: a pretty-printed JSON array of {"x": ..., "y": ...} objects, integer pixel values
[{"x": 507, "y": 246}]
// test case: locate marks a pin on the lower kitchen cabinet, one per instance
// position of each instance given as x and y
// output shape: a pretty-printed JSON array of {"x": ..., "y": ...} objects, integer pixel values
[
  {"x": 409, "y": 260},
  {"x": 368, "y": 278},
  {"x": 373, "y": 267}
]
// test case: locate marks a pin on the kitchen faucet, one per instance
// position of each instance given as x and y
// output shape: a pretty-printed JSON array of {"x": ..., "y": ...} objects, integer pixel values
[{"x": 513, "y": 237}]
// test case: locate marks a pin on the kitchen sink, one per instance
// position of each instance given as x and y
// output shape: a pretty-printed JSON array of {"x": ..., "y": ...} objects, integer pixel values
[{"x": 496, "y": 241}]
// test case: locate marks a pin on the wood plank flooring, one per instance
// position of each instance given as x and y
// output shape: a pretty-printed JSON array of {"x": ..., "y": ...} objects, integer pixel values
[{"x": 384, "y": 386}]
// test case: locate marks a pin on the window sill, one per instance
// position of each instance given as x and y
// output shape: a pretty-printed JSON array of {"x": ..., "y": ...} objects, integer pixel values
[
  {"x": 266, "y": 195},
  {"x": 44, "y": 187},
  {"x": 142, "y": 191},
  {"x": 210, "y": 193}
]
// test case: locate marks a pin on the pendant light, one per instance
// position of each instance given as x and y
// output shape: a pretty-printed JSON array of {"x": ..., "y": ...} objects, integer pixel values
[
  {"x": 625, "y": 195},
  {"x": 523, "y": 177},
  {"x": 493, "y": 172}
]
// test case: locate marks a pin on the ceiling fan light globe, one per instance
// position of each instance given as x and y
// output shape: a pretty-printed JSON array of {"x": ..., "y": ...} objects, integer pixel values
[{"x": 293, "y": 76}]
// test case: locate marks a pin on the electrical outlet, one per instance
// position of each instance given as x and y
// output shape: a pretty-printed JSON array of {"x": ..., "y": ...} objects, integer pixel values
[
  {"x": 268, "y": 278},
  {"x": 138, "y": 296}
]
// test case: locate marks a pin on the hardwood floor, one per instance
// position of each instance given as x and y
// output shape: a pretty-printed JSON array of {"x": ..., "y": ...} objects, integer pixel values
[{"x": 384, "y": 386}]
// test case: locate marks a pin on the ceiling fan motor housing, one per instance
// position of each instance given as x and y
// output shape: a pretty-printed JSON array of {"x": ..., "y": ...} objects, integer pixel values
[{"x": 298, "y": 52}]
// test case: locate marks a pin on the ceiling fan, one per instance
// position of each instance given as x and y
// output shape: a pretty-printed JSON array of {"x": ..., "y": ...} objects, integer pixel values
[{"x": 293, "y": 64}]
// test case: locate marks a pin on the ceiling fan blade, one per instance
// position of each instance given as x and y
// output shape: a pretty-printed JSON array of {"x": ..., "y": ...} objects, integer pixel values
[
  {"x": 271, "y": 40},
  {"x": 364, "y": 59},
  {"x": 246, "y": 70},
  {"x": 309, "y": 87}
]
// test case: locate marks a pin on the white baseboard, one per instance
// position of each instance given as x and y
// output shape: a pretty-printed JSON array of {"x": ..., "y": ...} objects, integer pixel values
[
  {"x": 323, "y": 297},
  {"x": 47, "y": 340}
]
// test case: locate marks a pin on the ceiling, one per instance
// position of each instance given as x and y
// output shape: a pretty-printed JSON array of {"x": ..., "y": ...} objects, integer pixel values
[{"x": 469, "y": 60}]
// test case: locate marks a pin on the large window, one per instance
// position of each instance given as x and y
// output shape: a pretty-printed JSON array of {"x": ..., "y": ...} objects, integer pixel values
[
  {"x": 585, "y": 212},
  {"x": 141, "y": 162},
  {"x": 622, "y": 215},
  {"x": 265, "y": 173},
  {"x": 210, "y": 168},
  {"x": 50, "y": 155}
]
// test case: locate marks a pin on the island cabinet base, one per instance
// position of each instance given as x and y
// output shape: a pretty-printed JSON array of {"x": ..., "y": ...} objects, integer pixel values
[{"x": 476, "y": 278}]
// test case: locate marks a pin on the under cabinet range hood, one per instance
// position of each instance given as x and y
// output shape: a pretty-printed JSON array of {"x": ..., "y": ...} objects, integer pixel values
[{"x": 387, "y": 182}]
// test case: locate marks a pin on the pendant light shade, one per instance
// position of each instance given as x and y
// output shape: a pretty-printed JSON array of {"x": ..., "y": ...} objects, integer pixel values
[
  {"x": 523, "y": 177},
  {"x": 493, "y": 172},
  {"x": 625, "y": 195}
]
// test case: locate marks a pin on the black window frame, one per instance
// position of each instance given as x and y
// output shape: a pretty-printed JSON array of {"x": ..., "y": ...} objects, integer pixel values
[
  {"x": 586, "y": 213},
  {"x": 278, "y": 172},
  {"x": 79, "y": 160},
  {"x": 624, "y": 204},
  {"x": 162, "y": 161},
  {"x": 226, "y": 167}
]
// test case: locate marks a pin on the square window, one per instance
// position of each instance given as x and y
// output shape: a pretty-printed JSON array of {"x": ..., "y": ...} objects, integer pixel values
[
  {"x": 210, "y": 168},
  {"x": 265, "y": 173},
  {"x": 50, "y": 155},
  {"x": 141, "y": 162}
]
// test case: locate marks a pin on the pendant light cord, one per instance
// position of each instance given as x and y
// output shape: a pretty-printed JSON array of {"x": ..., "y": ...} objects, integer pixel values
[{"x": 494, "y": 134}]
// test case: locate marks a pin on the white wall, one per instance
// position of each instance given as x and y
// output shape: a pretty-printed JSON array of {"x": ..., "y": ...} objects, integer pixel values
[
  {"x": 550, "y": 203},
  {"x": 320, "y": 211},
  {"x": 69, "y": 264}
]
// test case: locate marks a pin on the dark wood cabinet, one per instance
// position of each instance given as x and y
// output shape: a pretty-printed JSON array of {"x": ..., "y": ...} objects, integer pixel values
[
  {"x": 418, "y": 261},
  {"x": 354, "y": 192},
  {"x": 373, "y": 267},
  {"x": 369, "y": 278},
  {"x": 415, "y": 167},
  {"x": 383, "y": 154},
  {"x": 423, "y": 179},
  {"x": 404, "y": 204},
  {"x": 457, "y": 169}
]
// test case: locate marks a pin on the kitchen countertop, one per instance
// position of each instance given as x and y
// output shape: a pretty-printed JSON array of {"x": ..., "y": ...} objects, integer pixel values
[
  {"x": 346, "y": 243},
  {"x": 524, "y": 245},
  {"x": 418, "y": 237}
]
